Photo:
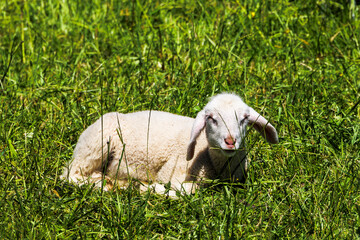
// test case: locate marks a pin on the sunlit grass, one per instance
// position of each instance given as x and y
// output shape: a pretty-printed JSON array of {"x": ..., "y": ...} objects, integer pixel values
[{"x": 64, "y": 63}]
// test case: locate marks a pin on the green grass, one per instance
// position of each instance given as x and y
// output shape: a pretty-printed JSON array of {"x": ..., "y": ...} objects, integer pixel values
[{"x": 64, "y": 63}]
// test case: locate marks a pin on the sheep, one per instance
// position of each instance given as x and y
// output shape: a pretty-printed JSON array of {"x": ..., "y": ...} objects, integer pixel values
[{"x": 153, "y": 147}]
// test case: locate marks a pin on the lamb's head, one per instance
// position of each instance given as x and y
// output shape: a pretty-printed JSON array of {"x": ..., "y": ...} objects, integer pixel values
[{"x": 225, "y": 119}]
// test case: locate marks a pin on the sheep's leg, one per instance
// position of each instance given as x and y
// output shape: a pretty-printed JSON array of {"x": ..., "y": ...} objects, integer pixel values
[
  {"x": 183, "y": 188},
  {"x": 101, "y": 181},
  {"x": 88, "y": 160},
  {"x": 81, "y": 169},
  {"x": 85, "y": 168},
  {"x": 95, "y": 178},
  {"x": 160, "y": 189}
]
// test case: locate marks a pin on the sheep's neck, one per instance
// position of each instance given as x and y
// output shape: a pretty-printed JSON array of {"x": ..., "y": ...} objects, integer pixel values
[
  {"x": 218, "y": 159},
  {"x": 221, "y": 162}
]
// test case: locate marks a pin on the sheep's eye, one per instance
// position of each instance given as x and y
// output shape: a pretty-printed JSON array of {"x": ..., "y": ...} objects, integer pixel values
[
  {"x": 212, "y": 120},
  {"x": 243, "y": 120}
]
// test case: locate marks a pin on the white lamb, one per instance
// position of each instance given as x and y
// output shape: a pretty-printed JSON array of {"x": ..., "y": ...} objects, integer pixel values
[{"x": 153, "y": 146}]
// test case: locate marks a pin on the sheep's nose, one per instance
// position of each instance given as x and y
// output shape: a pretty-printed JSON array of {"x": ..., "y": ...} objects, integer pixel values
[{"x": 230, "y": 142}]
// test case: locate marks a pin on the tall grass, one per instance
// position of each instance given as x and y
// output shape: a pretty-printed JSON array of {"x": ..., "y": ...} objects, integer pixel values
[{"x": 64, "y": 63}]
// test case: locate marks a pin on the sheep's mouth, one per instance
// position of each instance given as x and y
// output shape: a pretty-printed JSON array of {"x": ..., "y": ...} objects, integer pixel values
[{"x": 226, "y": 151}]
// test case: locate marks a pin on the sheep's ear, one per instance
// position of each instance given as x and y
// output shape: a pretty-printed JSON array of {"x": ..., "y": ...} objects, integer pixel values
[
  {"x": 198, "y": 126},
  {"x": 263, "y": 126}
]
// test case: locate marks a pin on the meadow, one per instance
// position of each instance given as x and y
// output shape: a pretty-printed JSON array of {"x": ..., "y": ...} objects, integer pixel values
[{"x": 65, "y": 63}]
